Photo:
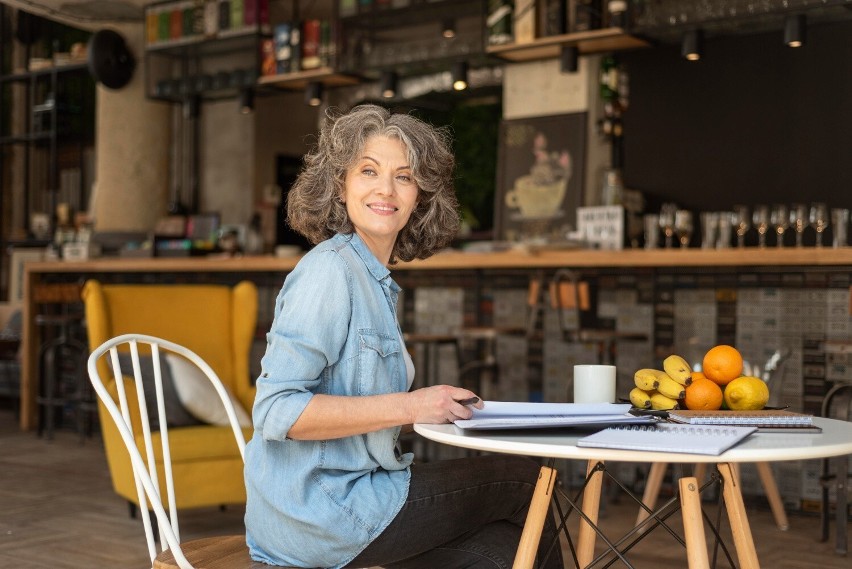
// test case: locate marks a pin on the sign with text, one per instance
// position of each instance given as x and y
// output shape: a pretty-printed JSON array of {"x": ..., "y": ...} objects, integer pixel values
[{"x": 602, "y": 226}]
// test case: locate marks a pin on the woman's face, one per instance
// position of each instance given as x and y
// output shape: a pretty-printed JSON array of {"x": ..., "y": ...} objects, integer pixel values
[{"x": 380, "y": 194}]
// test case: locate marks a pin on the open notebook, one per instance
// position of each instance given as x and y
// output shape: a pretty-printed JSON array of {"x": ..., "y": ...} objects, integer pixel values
[{"x": 668, "y": 437}]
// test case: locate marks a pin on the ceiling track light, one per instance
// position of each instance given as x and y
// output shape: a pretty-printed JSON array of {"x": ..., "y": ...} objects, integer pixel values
[
  {"x": 313, "y": 94},
  {"x": 795, "y": 30},
  {"x": 568, "y": 59},
  {"x": 448, "y": 28},
  {"x": 460, "y": 75},
  {"x": 692, "y": 45},
  {"x": 247, "y": 100},
  {"x": 389, "y": 84}
]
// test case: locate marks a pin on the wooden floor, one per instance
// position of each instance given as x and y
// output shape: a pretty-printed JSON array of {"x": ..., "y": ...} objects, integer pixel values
[{"x": 58, "y": 511}]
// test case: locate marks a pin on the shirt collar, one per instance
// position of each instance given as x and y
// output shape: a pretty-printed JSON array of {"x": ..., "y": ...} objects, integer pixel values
[{"x": 376, "y": 268}]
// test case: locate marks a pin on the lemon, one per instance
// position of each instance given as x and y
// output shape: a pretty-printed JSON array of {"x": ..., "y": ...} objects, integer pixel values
[{"x": 746, "y": 393}]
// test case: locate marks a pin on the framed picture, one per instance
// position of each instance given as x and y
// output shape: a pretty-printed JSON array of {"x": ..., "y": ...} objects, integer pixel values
[
  {"x": 540, "y": 171},
  {"x": 17, "y": 258}
]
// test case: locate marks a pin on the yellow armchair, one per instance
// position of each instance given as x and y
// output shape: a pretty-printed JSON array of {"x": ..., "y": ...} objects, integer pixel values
[{"x": 218, "y": 323}]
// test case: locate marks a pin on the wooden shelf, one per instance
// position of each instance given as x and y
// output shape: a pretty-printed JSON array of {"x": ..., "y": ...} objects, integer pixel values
[
  {"x": 594, "y": 41},
  {"x": 300, "y": 79}
]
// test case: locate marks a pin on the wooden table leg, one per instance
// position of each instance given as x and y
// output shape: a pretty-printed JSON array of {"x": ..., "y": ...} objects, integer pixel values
[
  {"x": 537, "y": 514},
  {"x": 771, "y": 489},
  {"x": 652, "y": 488},
  {"x": 591, "y": 506},
  {"x": 693, "y": 524},
  {"x": 743, "y": 540}
]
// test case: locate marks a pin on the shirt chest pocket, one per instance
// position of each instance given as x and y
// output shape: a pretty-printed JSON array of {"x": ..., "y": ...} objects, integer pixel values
[{"x": 379, "y": 358}]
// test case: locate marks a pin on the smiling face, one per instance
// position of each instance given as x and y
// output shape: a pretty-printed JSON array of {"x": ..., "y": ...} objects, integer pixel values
[{"x": 380, "y": 194}]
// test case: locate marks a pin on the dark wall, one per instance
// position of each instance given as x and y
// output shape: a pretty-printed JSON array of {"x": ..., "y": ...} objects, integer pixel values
[{"x": 753, "y": 122}]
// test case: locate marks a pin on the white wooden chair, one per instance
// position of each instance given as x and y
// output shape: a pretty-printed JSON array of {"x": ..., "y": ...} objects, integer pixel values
[{"x": 225, "y": 552}]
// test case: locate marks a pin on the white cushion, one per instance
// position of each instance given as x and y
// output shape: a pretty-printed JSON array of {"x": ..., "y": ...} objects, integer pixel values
[{"x": 198, "y": 395}]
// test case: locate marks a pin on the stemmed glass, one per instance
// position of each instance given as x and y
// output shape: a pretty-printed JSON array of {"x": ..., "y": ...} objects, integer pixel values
[
  {"x": 819, "y": 220},
  {"x": 683, "y": 226},
  {"x": 798, "y": 212},
  {"x": 742, "y": 223},
  {"x": 667, "y": 221},
  {"x": 760, "y": 219},
  {"x": 780, "y": 220}
]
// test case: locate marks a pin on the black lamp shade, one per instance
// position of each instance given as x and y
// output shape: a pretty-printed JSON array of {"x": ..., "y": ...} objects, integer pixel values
[
  {"x": 247, "y": 100},
  {"x": 313, "y": 94},
  {"x": 389, "y": 84},
  {"x": 460, "y": 75},
  {"x": 568, "y": 58},
  {"x": 693, "y": 45},
  {"x": 109, "y": 59},
  {"x": 795, "y": 30}
]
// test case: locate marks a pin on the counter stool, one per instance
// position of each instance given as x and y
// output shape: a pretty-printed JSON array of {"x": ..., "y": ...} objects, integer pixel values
[{"x": 62, "y": 358}]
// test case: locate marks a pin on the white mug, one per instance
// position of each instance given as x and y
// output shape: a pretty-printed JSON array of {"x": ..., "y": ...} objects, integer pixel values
[{"x": 594, "y": 384}]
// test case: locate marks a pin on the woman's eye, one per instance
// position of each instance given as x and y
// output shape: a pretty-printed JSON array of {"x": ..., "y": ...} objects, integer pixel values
[
  {"x": 404, "y": 177},
  {"x": 368, "y": 171}
]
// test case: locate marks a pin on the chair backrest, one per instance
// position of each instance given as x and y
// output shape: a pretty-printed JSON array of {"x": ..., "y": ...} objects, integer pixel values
[
  {"x": 156, "y": 445},
  {"x": 186, "y": 314},
  {"x": 837, "y": 403}
]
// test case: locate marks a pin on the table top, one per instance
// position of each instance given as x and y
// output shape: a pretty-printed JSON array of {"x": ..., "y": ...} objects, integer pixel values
[{"x": 834, "y": 440}]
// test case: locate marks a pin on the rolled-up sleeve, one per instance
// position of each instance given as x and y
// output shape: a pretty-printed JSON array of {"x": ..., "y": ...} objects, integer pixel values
[{"x": 309, "y": 329}]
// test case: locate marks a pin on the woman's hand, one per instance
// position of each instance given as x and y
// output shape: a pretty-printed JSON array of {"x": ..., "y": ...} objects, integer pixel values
[{"x": 440, "y": 404}]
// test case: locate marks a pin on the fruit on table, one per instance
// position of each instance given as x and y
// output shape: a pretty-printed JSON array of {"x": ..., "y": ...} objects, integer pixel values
[
  {"x": 660, "y": 402},
  {"x": 646, "y": 379},
  {"x": 722, "y": 364},
  {"x": 746, "y": 393},
  {"x": 703, "y": 395},
  {"x": 678, "y": 369},
  {"x": 670, "y": 388},
  {"x": 640, "y": 398}
]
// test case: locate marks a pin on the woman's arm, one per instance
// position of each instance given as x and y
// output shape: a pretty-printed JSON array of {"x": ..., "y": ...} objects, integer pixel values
[{"x": 336, "y": 416}]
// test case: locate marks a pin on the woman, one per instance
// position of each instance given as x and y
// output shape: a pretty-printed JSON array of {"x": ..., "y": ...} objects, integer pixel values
[{"x": 326, "y": 483}]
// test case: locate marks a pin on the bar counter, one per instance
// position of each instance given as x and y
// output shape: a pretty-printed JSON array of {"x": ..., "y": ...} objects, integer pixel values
[{"x": 36, "y": 273}]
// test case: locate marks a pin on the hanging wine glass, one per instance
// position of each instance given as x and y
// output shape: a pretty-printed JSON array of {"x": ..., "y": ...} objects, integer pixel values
[
  {"x": 780, "y": 220},
  {"x": 742, "y": 223},
  {"x": 798, "y": 221},
  {"x": 819, "y": 220},
  {"x": 760, "y": 219}
]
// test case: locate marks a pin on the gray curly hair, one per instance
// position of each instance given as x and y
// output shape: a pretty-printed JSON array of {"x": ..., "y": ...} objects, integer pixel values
[{"x": 313, "y": 207}]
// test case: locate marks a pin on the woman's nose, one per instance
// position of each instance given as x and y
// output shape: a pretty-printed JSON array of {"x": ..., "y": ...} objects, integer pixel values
[{"x": 385, "y": 185}]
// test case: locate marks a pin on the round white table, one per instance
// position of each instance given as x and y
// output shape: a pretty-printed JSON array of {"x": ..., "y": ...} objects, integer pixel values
[{"x": 834, "y": 440}]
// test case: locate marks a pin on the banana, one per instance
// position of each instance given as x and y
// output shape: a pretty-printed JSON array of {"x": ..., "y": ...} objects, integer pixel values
[
  {"x": 646, "y": 379},
  {"x": 670, "y": 388},
  {"x": 661, "y": 402},
  {"x": 640, "y": 398},
  {"x": 678, "y": 369}
]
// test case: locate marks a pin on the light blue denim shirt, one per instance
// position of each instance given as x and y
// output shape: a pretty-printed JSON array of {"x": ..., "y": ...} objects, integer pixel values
[{"x": 335, "y": 331}]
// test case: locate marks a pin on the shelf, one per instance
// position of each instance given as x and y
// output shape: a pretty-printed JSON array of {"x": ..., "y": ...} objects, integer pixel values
[
  {"x": 594, "y": 41},
  {"x": 47, "y": 71},
  {"x": 300, "y": 79},
  {"x": 226, "y": 41},
  {"x": 25, "y": 138}
]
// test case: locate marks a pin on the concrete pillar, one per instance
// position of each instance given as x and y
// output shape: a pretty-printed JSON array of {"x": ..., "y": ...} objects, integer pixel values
[{"x": 133, "y": 145}]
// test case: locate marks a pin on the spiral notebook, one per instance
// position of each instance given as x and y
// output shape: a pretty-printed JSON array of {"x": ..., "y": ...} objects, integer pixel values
[
  {"x": 766, "y": 420},
  {"x": 668, "y": 437}
]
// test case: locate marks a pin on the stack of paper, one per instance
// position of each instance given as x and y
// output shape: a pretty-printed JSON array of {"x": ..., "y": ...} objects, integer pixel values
[{"x": 514, "y": 415}]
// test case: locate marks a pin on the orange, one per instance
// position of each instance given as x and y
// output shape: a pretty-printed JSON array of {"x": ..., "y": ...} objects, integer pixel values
[
  {"x": 722, "y": 364},
  {"x": 703, "y": 395}
]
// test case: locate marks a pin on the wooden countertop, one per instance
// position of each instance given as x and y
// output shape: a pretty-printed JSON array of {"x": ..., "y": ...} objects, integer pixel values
[{"x": 459, "y": 260}]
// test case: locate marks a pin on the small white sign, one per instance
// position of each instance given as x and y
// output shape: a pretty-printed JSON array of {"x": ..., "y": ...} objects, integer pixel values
[{"x": 602, "y": 226}]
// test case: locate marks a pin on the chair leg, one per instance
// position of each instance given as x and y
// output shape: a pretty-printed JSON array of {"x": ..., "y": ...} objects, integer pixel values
[
  {"x": 536, "y": 516},
  {"x": 772, "y": 494},
  {"x": 693, "y": 524},
  {"x": 131, "y": 508}
]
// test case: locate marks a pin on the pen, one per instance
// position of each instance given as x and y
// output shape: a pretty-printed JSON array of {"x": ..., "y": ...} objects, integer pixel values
[{"x": 468, "y": 401}]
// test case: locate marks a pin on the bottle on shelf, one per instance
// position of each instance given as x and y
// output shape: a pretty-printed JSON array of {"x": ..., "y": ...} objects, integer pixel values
[{"x": 618, "y": 13}]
